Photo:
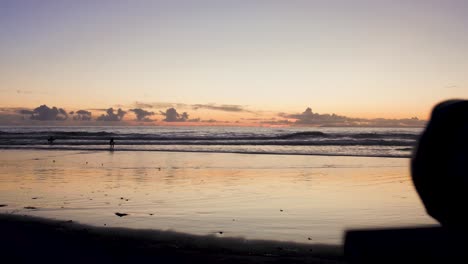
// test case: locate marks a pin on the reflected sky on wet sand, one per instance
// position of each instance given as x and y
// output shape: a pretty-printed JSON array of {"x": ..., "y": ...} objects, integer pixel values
[{"x": 310, "y": 199}]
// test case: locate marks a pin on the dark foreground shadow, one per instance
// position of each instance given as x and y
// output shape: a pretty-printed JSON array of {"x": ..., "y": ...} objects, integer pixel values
[
  {"x": 406, "y": 245},
  {"x": 26, "y": 239},
  {"x": 439, "y": 169}
]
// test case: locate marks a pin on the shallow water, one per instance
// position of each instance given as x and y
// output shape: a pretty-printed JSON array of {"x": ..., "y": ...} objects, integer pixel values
[{"x": 310, "y": 199}]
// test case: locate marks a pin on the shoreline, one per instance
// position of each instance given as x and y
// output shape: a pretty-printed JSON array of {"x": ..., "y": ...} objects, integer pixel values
[
  {"x": 27, "y": 239},
  {"x": 203, "y": 151}
]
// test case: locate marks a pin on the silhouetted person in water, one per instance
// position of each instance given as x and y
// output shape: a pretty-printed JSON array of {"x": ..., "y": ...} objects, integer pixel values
[
  {"x": 51, "y": 140},
  {"x": 440, "y": 165},
  {"x": 111, "y": 143}
]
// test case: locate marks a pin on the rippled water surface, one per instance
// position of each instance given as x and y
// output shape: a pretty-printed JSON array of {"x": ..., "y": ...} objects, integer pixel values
[
  {"x": 310, "y": 199},
  {"x": 368, "y": 142}
]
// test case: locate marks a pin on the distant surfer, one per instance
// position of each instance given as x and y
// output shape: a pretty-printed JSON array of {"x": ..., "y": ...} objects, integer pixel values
[
  {"x": 51, "y": 140},
  {"x": 111, "y": 143}
]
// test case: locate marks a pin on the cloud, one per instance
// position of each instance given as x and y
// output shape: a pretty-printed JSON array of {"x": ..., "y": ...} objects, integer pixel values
[
  {"x": 111, "y": 116},
  {"x": 45, "y": 113},
  {"x": 277, "y": 122},
  {"x": 25, "y": 112},
  {"x": 383, "y": 122},
  {"x": 23, "y": 92},
  {"x": 143, "y": 105},
  {"x": 310, "y": 118},
  {"x": 225, "y": 108},
  {"x": 142, "y": 115},
  {"x": 159, "y": 105},
  {"x": 21, "y": 115},
  {"x": 82, "y": 115},
  {"x": 172, "y": 115},
  {"x": 215, "y": 107}
]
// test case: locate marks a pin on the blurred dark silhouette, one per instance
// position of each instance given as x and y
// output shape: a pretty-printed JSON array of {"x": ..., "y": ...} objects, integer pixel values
[
  {"x": 439, "y": 169},
  {"x": 111, "y": 143},
  {"x": 440, "y": 164},
  {"x": 51, "y": 140}
]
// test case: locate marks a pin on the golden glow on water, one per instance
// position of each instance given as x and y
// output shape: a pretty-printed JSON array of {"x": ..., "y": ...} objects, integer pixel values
[{"x": 253, "y": 196}]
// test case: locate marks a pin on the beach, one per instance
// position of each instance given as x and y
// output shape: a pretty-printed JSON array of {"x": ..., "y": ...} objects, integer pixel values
[
  {"x": 28, "y": 239},
  {"x": 302, "y": 199},
  {"x": 233, "y": 131}
]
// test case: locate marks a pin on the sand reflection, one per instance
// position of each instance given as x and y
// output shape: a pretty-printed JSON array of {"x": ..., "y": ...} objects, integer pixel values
[{"x": 295, "y": 198}]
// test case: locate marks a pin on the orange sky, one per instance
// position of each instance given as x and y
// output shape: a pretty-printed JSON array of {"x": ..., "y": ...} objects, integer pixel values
[{"x": 360, "y": 59}]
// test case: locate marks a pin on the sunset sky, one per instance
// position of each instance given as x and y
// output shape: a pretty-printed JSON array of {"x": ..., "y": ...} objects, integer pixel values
[{"x": 235, "y": 61}]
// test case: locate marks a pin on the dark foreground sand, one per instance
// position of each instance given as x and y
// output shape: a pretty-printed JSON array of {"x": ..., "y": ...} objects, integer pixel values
[{"x": 26, "y": 239}]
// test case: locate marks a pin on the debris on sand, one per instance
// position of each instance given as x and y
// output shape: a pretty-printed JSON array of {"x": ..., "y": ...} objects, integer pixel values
[
  {"x": 220, "y": 232},
  {"x": 3, "y": 205},
  {"x": 30, "y": 207},
  {"x": 281, "y": 210},
  {"x": 34, "y": 198},
  {"x": 120, "y": 214}
]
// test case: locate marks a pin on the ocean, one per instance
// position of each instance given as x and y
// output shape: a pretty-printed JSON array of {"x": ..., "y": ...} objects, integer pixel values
[
  {"x": 368, "y": 142},
  {"x": 306, "y": 185}
]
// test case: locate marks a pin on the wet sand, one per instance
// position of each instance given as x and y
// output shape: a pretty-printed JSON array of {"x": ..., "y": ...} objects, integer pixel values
[
  {"x": 27, "y": 239},
  {"x": 305, "y": 199}
]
